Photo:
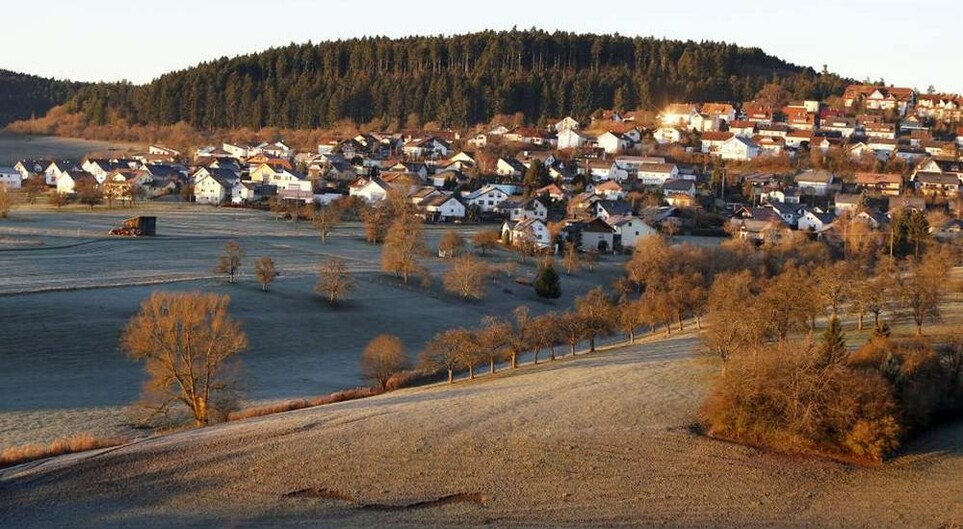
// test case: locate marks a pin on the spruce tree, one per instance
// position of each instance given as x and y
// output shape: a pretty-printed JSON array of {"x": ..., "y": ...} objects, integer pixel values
[{"x": 547, "y": 283}]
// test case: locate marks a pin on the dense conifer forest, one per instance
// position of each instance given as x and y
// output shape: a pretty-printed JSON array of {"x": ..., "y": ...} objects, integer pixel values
[
  {"x": 452, "y": 81},
  {"x": 24, "y": 96}
]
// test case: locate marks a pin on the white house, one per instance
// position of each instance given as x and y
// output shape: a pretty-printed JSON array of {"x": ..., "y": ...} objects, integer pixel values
[
  {"x": 567, "y": 123},
  {"x": 613, "y": 143},
  {"x": 509, "y": 167},
  {"x": 529, "y": 231},
  {"x": 814, "y": 221},
  {"x": 10, "y": 178},
  {"x": 818, "y": 183},
  {"x": 664, "y": 135},
  {"x": 657, "y": 173},
  {"x": 212, "y": 189},
  {"x": 677, "y": 114},
  {"x": 486, "y": 198},
  {"x": 629, "y": 229},
  {"x": 738, "y": 148},
  {"x": 520, "y": 208},
  {"x": 67, "y": 181},
  {"x": 56, "y": 170},
  {"x": 571, "y": 139},
  {"x": 444, "y": 207},
  {"x": 371, "y": 190}
]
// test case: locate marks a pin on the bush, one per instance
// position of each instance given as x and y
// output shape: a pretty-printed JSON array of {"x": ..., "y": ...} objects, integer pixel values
[
  {"x": 789, "y": 399},
  {"x": 16, "y": 455},
  {"x": 547, "y": 283}
]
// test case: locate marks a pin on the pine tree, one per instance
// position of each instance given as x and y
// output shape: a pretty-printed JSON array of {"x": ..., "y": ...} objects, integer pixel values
[{"x": 547, "y": 283}]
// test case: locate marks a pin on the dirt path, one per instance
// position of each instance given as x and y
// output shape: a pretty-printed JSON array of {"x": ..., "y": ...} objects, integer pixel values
[{"x": 597, "y": 441}]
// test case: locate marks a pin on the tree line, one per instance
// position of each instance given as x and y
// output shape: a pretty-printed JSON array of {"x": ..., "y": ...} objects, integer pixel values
[
  {"x": 26, "y": 96},
  {"x": 452, "y": 81}
]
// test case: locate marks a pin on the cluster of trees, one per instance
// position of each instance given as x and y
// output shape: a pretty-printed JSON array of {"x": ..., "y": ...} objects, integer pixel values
[
  {"x": 593, "y": 316},
  {"x": 26, "y": 96},
  {"x": 393, "y": 83},
  {"x": 782, "y": 388}
]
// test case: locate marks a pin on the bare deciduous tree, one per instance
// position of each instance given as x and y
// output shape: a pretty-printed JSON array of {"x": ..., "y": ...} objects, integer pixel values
[
  {"x": 383, "y": 357},
  {"x": 334, "y": 280},
  {"x": 446, "y": 350},
  {"x": 631, "y": 318},
  {"x": 493, "y": 338},
  {"x": 467, "y": 277},
  {"x": 486, "y": 240},
  {"x": 188, "y": 342},
  {"x": 403, "y": 246},
  {"x": 6, "y": 201},
  {"x": 265, "y": 271},
  {"x": 597, "y": 313},
  {"x": 571, "y": 262},
  {"x": 325, "y": 219},
  {"x": 922, "y": 287},
  {"x": 572, "y": 330},
  {"x": 451, "y": 244},
  {"x": 229, "y": 262}
]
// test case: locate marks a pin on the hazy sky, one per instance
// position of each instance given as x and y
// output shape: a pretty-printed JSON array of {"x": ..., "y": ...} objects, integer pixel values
[{"x": 905, "y": 43}]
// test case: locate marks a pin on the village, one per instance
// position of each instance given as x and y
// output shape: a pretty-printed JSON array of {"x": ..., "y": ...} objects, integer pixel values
[{"x": 757, "y": 170}]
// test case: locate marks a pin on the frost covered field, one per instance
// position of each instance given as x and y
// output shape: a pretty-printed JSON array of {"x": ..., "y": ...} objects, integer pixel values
[{"x": 66, "y": 291}]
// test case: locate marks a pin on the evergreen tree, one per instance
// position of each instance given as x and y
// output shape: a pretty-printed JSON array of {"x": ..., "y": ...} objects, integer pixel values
[{"x": 547, "y": 283}]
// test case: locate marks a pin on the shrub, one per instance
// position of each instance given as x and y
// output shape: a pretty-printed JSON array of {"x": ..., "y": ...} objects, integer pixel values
[{"x": 16, "y": 455}]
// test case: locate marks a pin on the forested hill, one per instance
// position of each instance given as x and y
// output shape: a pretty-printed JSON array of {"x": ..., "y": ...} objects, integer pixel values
[
  {"x": 23, "y": 96},
  {"x": 453, "y": 81}
]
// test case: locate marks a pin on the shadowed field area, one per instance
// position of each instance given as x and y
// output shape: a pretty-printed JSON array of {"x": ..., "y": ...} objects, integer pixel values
[{"x": 602, "y": 440}]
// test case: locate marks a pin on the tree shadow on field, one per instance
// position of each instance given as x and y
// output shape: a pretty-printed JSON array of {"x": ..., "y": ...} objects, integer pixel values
[{"x": 945, "y": 439}]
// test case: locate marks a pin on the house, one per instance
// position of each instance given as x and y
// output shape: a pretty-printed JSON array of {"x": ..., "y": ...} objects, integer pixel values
[
  {"x": 773, "y": 130},
  {"x": 760, "y": 231},
  {"x": 160, "y": 150},
  {"x": 657, "y": 174},
  {"x": 799, "y": 139},
  {"x": 509, "y": 167},
  {"x": 478, "y": 140},
  {"x": 211, "y": 188},
  {"x": 430, "y": 147},
  {"x": 846, "y": 127},
  {"x": 686, "y": 187},
  {"x": 593, "y": 234},
  {"x": 531, "y": 231},
  {"x": 932, "y": 183},
  {"x": 815, "y": 221},
  {"x": 28, "y": 168},
  {"x": 443, "y": 207},
  {"x": 882, "y": 183},
  {"x": 67, "y": 181},
  {"x": 847, "y": 203},
  {"x": 950, "y": 231},
  {"x": 629, "y": 229},
  {"x": 572, "y": 139},
  {"x": 10, "y": 178},
  {"x": 613, "y": 143},
  {"x": 566, "y": 123},
  {"x": 789, "y": 212},
  {"x": 666, "y": 135},
  {"x": 521, "y": 208},
  {"x": 818, "y": 183},
  {"x": 885, "y": 131},
  {"x": 246, "y": 192},
  {"x": 719, "y": 113},
  {"x": 57, "y": 169},
  {"x": 905, "y": 203},
  {"x": 228, "y": 175},
  {"x": 237, "y": 150},
  {"x": 738, "y": 148},
  {"x": 606, "y": 209},
  {"x": 711, "y": 141},
  {"x": 677, "y": 115},
  {"x": 277, "y": 149},
  {"x": 371, "y": 190},
  {"x": 746, "y": 129},
  {"x": 486, "y": 198},
  {"x": 553, "y": 192},
  {"x": 609, "y": 190}
]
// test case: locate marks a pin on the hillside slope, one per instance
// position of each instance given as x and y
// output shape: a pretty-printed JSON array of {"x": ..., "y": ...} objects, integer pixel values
[
  {"x": 23, "y": 96},
  {"x": 600, "y": 441},
  {"x": 452, "y": 81}
]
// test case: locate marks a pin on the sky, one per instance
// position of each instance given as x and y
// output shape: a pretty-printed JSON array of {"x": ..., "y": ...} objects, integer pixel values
[{"x": 906, "y": 44}]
